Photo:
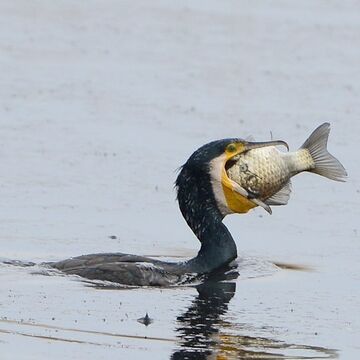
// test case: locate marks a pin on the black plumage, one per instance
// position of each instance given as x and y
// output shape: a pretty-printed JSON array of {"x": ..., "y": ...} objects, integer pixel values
[{"x": 199, "y": 208}]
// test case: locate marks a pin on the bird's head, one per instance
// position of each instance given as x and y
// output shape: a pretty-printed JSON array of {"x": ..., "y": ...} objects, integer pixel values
[{"x": 206, "y": 168}]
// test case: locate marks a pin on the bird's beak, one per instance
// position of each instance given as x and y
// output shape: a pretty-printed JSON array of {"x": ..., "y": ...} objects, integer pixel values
[{"x": 256, "y": 145}]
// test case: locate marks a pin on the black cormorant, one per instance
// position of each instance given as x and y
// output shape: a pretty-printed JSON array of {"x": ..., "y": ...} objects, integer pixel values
[{"x": 205, "y": 195}]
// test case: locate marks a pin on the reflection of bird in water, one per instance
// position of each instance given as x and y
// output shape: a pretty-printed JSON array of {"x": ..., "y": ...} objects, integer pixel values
[
  {"x": 199, "y": 325},
  {"x": 203, "y": 203},
  {"x": 204, "y": 333}
]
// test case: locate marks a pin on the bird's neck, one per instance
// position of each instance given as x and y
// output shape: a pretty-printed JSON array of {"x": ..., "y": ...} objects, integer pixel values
[
  {"x": 217, "y": 250},
  {"x": 198, "y": 206}
]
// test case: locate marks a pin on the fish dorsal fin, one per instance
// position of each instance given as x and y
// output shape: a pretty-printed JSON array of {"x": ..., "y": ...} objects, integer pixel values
[
  {"x": 281, "y": 197},
  {"x": 250, "y": 138}
]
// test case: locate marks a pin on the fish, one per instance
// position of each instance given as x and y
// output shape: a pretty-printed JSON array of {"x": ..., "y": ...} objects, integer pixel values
[{"x": 264, "y": 174}]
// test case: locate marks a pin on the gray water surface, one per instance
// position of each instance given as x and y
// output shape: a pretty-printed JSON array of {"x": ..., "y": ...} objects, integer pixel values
[{"x": 100, "y": 104}]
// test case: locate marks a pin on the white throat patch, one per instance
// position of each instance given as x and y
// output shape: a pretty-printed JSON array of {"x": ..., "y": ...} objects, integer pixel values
[{"x": 216, "y": 169}]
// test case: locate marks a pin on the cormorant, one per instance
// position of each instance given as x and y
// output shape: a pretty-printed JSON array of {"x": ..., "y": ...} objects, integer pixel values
[{"x": 205, "y": 195}]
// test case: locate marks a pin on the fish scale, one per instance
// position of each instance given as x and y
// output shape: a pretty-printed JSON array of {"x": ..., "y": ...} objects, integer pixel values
[{"x": 265, "y": 172}]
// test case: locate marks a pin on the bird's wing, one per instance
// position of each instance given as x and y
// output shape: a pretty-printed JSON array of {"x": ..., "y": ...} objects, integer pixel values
[{"x": 126, "y": 270}]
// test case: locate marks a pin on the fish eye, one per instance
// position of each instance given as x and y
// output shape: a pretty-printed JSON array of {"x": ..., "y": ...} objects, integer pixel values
[{"x": 231, "y": 148}]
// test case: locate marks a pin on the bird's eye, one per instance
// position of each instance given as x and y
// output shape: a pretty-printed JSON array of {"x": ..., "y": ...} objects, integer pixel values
[{"x": 231, "y": 148}]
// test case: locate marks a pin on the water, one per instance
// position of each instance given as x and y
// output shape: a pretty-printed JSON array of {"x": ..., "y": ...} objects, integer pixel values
[{"x": 101, "y": 104}]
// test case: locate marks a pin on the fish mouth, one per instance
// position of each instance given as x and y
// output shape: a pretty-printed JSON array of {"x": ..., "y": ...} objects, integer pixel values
[{"x": 253, "y": 145}]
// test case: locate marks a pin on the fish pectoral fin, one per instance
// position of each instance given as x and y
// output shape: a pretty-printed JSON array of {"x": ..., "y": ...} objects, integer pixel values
[
  {"x": 240, "y": 190},
  {"x": 243, "y": 192},
  {"x": 281, "y": 197},
  {"x": 262, "y": 204}
]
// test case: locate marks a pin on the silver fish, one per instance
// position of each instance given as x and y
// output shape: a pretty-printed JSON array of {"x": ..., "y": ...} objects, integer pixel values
[{"x": 265, "y": 172}]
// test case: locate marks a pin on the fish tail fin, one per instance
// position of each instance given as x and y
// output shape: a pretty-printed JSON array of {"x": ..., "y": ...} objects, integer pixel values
[{"x": 324, "y": 163}]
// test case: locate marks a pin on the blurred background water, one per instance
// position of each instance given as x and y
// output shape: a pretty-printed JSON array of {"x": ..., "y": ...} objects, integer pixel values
[{"x": 101, "y": 102}]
